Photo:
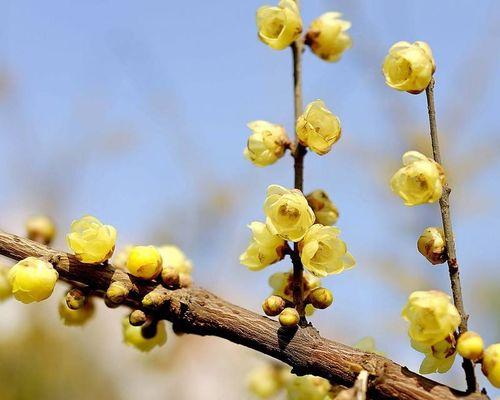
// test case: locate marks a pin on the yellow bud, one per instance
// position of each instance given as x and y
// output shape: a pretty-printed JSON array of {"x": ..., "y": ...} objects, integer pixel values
[
  {"x": 266, "y": 144},
  {"x": 273, "y": 305},
  {"x": 132, "y": 336},
  {"x": 144, "y": 262},
  {"x": 174, "y": 258},
  {"x": 327, "y": 36},
  {"x": 91, "y": 241},
  {"x": 470, "y": 345},
  {"x": 170, "y": 277},
  {"x": 431, "y": 315},
  {"x": 321, "y": 298},
  {"x": 282, "y": 284},
  {"x": 279, "y": 26},
  {"x": 264, "y": 249},
  {"x": 432, "y": 245},
  {"x": 76, "y": 317},
  {"x": 32, "y": 279},
  {"x": 289, "y": 317},
  {"x": 5, "y": 287},
  {"x": 265, "y": 381},
  {"x": 491, "y": 364},
  {"x": 325, "y": 210},
  {"x": 41, "y": 229},
  {"x": 419, "y": 181},
  {"x": 75, "y": 299},
  {"x": 409, "y": 67},
  {"x": 117, "y": 293},
  {"x": 137, "y": 318},
  {"x": 317, "y": 128},
  {"x": 308, "y": 387},
  {"x": 288, "y": 214},
  {"x": 323, "y": 253}
]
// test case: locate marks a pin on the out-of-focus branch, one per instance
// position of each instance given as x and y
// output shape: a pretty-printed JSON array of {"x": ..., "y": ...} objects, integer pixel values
[{"x": 197, "y": 311}]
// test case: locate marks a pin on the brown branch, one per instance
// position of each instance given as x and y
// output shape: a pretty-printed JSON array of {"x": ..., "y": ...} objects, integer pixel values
[
  {"x": 200, "y": 312},
  {"x": 444, "y": 204}
]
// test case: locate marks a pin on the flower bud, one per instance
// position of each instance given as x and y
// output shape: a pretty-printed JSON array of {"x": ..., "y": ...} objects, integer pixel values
[
  {"x": 266, "y": 144},
  {"x": 289, "y": 317},
  {"x": 132, "y": 336},
  {"x": 5, "y": 287},
  {"x": 170, "y": 277},
  {"x": 144, "y": 262},
  {"x": 491, "y": 364},
  {"x": 320, "y": 298},
  {"x": 40, "y": 229},
  {"x": 137, "y": 318},
  {"x": 324, "y": 209},
  {"x": 154, "y": 299},
  {"x": 317, "y": 128},
  {"x": 264, "y": 249},
  {"x": 327, "y": 36},
  {"x": 409, "y": 67},
  {"x": 432, "y": 245},
  {"x": 273, "y": 305},
  {"x": 279, "y": 26},
  {"x": 470, "y": 345},
  {"x": 75, "y": 299},
  {"x": 116, "y": 294},
  {"x": 76, "y": 317},
  {"x": 32, "y": 279},
  {"x": 91, "y": 241}
]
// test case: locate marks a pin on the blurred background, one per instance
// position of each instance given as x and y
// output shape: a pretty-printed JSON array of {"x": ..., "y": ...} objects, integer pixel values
[{"x": 136, "y": 112}]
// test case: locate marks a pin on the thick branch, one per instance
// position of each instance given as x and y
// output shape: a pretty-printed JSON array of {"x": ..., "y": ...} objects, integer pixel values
[
  {"x": 444, "y": 204},
  {"x": 200, "y": 312}
]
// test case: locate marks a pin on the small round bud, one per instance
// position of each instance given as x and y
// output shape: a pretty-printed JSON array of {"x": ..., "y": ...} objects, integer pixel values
[
  {"x": 75, "y": 299},
  {"x": 144, "y": 262},
  {"x": 273, "y": 305},
  {"x": 40, "y": 229},
  {"x": 289, "y": 317},
  {"x": 432, "y": 245},
  {"x": 154, "y": 299},
  {"x": 321, "y": 298},
  {"x": 470, "y": 345},
  {"x": 137, "y": 318},
  {"x": 32, "y": 279},
  {"x": 170, "y": 277},
  {"x": 78, "y": 317},
  {"x": 491, "y": 364},
  {"x": 116, "y": 293}
]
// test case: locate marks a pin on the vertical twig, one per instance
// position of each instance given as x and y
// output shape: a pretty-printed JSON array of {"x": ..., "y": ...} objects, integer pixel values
[
  {"x": 444, "y": 204},
  {"x": 298, "y": 155}
]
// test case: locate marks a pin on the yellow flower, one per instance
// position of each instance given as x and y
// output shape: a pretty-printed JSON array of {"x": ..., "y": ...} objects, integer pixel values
[
  {"x": 279, "y": 26},
  {"x": 470, "y": 345},
  {"x": 409, "y": 67},
  {"x": 264, "y": 249},
  {"x": 266, "y": 144},
  {"x": 420, "y": 181},
  {"x": 91, "y": 241},
  {"x": 173, "y": 257},
  {"x": 323, "y": 253},
  {"x": 287, "y": 212},
  {"x": 5, "y": 287},
  {"x": 431, "y": 315},
  {"x": 266, "y": 380},
  {"x": 432, "y": 245},
  {"x": 282, "y": 284},
  {"x": 144, "y": 262},
  {"x": 439, "y": 357},
  {"x": 327, "y": 36},
  {"x": 318, "y": 128},
  {"x": 324, "y": 209},
  {"x": 32, "y": 279},
  {"x": 132, "y": 336},
  {"x": 41, "y": 229},
  {"x": 76, "y": 317},
  {"x": 491, "y": 364},
  {"x": 308, "y": 387}
]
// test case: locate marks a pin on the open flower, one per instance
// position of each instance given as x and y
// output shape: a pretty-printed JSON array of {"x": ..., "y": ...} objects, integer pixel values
[
  {"x": 287, "y": 212},
  {"x": 327, "y": 36},
  {"x": 132, "y": 336},
  {"x": 266, "y": 144},
  {"x": 264, "y": 248},
  {"x": 32, "y": 279},
  {"x": 91, "y": 240},
  {"x": 325, "y": 210},
  {"x": 318, "y": 128},
  {"x": 409, "y": 67},
  {"x": 431, "y": 315},
  {"x": 323, "y": 252},
  {"x": 279, "y": 26},
  {"x": 419, "y": 181},
  {"x": 439, "y": 357}
]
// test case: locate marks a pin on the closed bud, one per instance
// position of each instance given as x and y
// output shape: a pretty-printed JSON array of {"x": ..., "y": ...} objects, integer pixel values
[
  {"x": 75, "y": 299},
  {"x": 137, "y": 318},
  {"x": 320, "y": 298},
  {"x": 154, "y": 299},
  {"x": 432, "y": 245},
  {"x": 40, "y": 229},
  {"x": 144, "y": 262},
  {"x": 470, "y": 345},
  {"x": 170, "y": 277},
  {"x": 491, "y": 364},
  {"x": 325, "y": 210},
  {"x": 266, "y": 144},
  {"x": 289, "y": 317},
  {"x": 32, "y": 279},
  {"x": 117, "y": 293},
  {"x": 273, "y": 305}
]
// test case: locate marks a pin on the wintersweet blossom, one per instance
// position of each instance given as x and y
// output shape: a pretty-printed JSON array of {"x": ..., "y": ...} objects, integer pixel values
[
  {"x": 32, "y": 279},
  {"x": 279, "y": 26},
  {"x": 264, "y": 248}
]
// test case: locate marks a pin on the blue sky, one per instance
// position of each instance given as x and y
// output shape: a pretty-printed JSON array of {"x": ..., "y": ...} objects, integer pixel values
[{"x": 136, "y": 112}]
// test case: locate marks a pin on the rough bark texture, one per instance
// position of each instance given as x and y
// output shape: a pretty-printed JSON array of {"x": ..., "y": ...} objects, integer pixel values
[{"x": 197, "y": 311}]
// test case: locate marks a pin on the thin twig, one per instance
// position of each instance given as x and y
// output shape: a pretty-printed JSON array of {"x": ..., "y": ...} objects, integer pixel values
[{"x": 444, "y": 204}]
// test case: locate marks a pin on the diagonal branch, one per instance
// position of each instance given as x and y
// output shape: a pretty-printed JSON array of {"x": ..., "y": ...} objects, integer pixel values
[{"x": 200, "y": 312}]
